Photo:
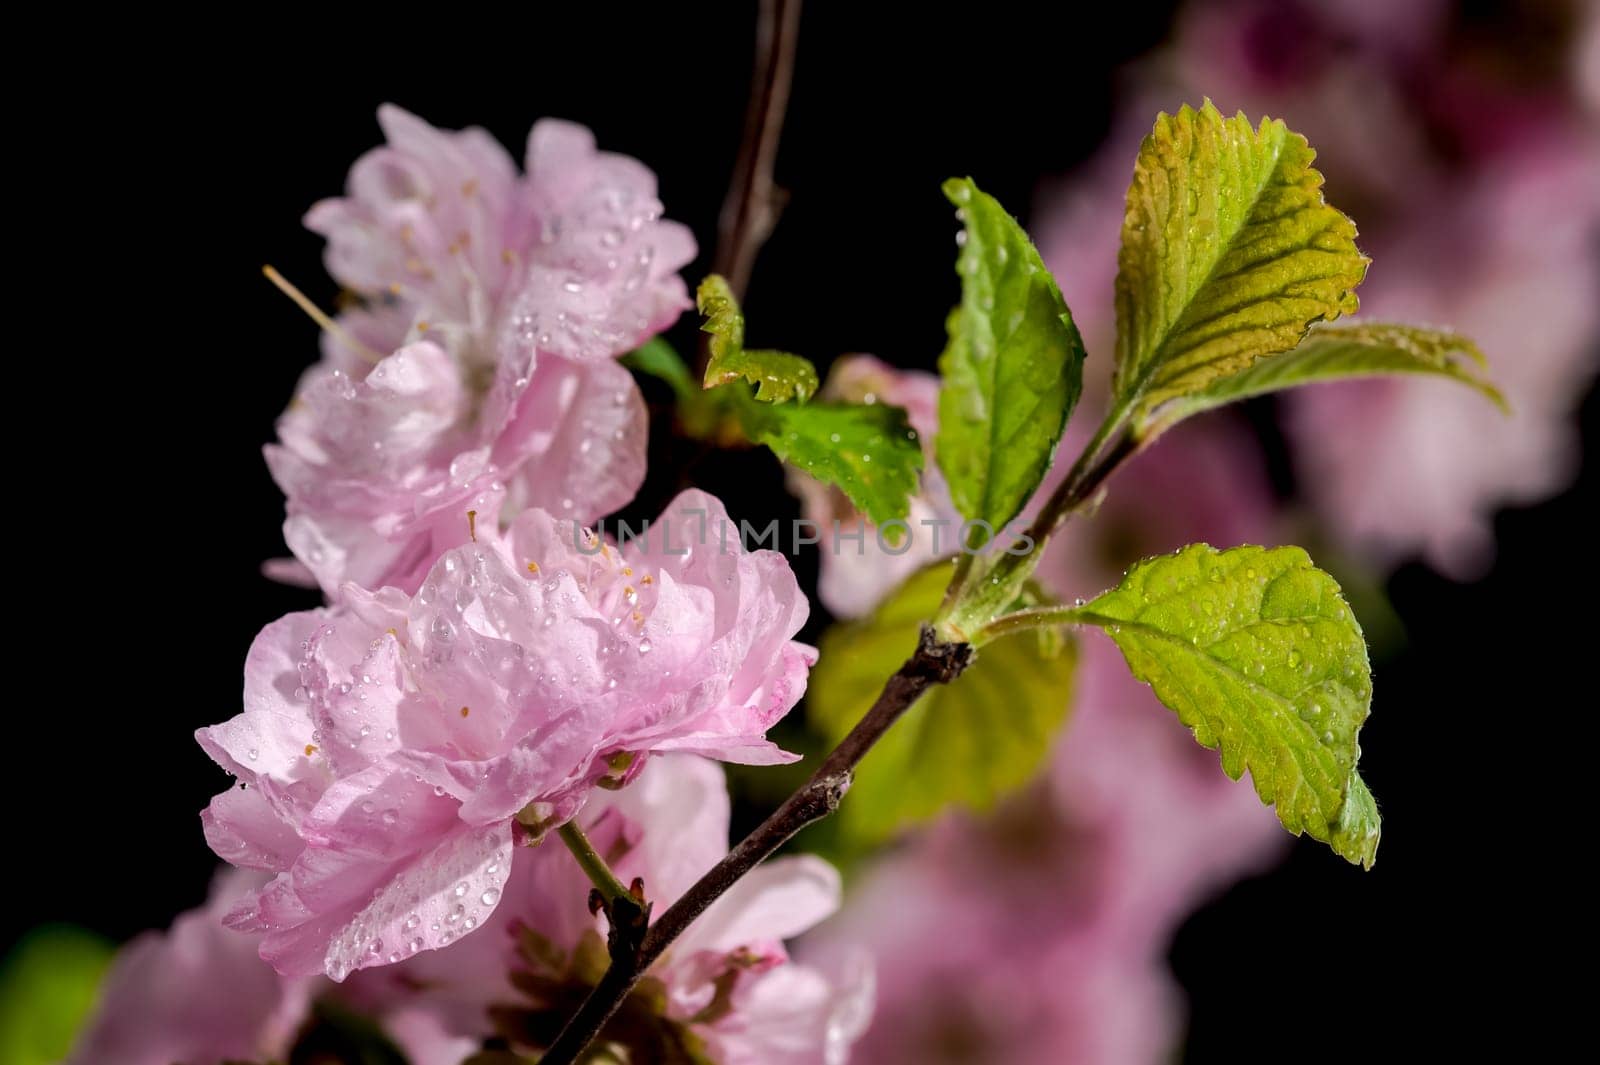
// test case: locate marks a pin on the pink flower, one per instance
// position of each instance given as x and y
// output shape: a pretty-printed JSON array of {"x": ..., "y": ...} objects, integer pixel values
[
  {"x": 856, "y": 573},
  {"x": 504, "y": 299},
  {"x": 196, "y": 994},
  {"x": 388, "y": 743},
  {"x": 728, "y": 979}
]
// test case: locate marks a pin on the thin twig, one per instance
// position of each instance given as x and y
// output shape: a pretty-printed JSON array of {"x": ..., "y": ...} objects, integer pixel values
[
  {"x": 753, "y": 202},
  {"x": 933, "y": 662}
]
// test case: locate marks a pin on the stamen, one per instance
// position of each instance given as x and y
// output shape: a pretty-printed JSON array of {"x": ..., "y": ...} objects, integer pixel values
[
  {"x": 472, "y": 525},
  {"x": 465, "y": 710},
  {"x": 315, "y": 313},
  {"x": 311, "y": 749},
  {"x": 533, "y": 567}
]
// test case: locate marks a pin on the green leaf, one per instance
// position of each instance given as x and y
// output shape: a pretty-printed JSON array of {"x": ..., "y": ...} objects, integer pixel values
[
  {"x": 969, "y": 742},
  {"x": 1256, "y": 651},
  {"x": 777, "y": 375},
  {"x": 48, "y": 984},
  {"x": 1229, "y": 254},
  {"x": 658, "y": 359},
  {"x": 1013, "y": 367},
  {"x": 1334, "y": 353},
  {"x": 869, "y": 451}
]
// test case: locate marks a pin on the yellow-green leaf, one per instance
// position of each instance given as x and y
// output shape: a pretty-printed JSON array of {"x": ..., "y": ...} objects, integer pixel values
[
  {"x": 969, "y": 742},
  {"x": 1257, "y": 653},
  {"x": 777, "y": 375},
  {"x": 1341, "y": 352},
  {"x": 1229, "y": 253}
]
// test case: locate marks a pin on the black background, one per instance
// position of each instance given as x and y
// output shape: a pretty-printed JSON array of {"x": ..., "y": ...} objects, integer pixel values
[{"x": 165, "y": 357}]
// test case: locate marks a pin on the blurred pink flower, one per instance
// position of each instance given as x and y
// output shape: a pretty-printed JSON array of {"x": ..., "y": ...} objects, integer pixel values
[
  {"x": 667, "y": 827},
  {"x": 1495, "y": 240},
  {"x": 387, "y": 744},
  {"x": 1509, "y": 259},
  {"x": 196, "y": 994},
  {"x": 856, "y": 573},
  {"x": 504, "y": 299},
  {"x": 972, "y": 969}
]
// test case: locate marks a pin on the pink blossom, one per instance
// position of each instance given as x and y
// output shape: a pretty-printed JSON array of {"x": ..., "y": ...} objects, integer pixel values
[
  {"x": 503, "y": 299},
  {"x": 196, "y": 994},
  {"x": 387, "y": 743},
  {"x": 666, "y": 827},
  {"x": 857, "y": 573}
]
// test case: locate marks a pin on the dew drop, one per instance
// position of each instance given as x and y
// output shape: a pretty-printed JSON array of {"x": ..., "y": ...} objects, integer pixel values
[
  {"x": 645, "y": 646},
  {"x": 490, "y": 897}
]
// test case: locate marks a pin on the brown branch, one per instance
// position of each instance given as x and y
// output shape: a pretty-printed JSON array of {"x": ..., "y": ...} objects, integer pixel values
[
  {"x": 751, "y": 208},
  {"x": 933, "y": 662}
]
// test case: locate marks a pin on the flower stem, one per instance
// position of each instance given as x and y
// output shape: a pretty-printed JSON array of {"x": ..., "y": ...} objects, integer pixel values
[{"x": 593, "y": 866}]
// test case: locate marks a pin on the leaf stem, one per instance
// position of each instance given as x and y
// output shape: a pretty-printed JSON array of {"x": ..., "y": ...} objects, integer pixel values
[
  {"x": 934, "y": 662},
  {"x": 1039, "y": 617},
  {"x": 593, "y": 866}
]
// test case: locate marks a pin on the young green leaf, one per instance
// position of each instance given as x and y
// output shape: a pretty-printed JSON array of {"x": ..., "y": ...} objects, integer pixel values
[
  {"x": 777, "y": 375},
  {"x": 1256, "y": 651},
  {"x": 1012, "y": 369},
  {"x": 969, "y": 742},
  {"x": 869, "y": 451},
  {"x": 1335, "y": 353},
  {"x": 1229, "y": 253}
]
